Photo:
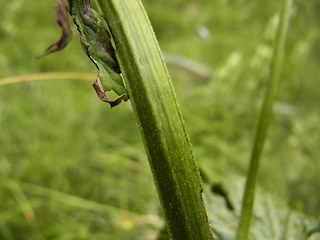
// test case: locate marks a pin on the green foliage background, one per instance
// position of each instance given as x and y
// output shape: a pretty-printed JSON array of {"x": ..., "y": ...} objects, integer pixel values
[{"x": 59, "y": 136}]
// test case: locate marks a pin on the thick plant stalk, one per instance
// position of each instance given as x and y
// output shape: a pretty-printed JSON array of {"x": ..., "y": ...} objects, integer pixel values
[
  {"x": 160, "y": 122},
  {"x": 263, "y": 124}
]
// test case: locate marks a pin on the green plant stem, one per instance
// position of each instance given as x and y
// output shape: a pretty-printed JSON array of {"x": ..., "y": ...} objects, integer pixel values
[
  {"x": 46, "y": 76},
  {"x": 263, "y": 124},
  {"x": 159, "y": 119}
]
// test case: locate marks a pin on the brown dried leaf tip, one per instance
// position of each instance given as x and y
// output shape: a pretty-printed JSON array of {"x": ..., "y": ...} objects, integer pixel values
[
  {"x": 103, "y": 96},
  {"x": 62, "y": 16}
]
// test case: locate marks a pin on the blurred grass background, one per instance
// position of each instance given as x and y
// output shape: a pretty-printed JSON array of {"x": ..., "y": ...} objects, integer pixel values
[{"x": 71, "y": 168}]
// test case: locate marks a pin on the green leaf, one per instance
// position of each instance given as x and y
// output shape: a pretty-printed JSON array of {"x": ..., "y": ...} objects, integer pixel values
[
  {"x": 314, "y": 229},
  {"x": 96, "y": 39},
  {"x": 272, "y": 218}
]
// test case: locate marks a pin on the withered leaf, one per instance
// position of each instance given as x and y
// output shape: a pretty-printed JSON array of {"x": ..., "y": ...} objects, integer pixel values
[
  {"x": 62, "y": 16},
  {"x": 96, "y": 40},
  {"x": 103, "y": 96}
]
